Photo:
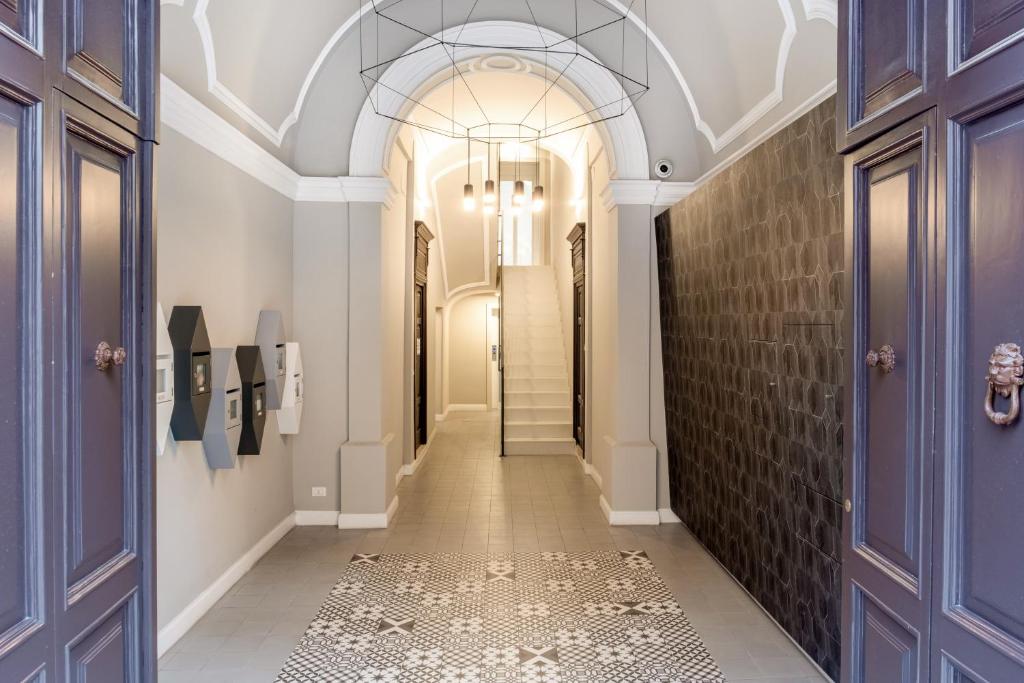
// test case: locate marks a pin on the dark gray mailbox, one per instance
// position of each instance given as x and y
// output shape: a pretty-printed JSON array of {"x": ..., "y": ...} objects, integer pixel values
[
  {"x": 254, "y": 399},
  {"x": 193, "y": 374}
]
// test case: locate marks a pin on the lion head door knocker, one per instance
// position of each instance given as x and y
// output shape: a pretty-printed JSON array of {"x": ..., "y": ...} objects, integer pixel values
[
  {"x": 883, "y": 359},
  {"x": 1005, "y": 377}
]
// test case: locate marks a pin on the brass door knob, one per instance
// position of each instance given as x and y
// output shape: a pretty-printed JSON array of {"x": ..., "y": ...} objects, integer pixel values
[
  {"x": 106, "y": 355},
  {"x": 884, "y": 359}
]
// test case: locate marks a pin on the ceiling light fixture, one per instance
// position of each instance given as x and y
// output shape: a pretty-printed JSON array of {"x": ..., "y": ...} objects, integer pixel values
[
  {"x": 468, "y": 198},
  {"x": 538, "y": 189}
]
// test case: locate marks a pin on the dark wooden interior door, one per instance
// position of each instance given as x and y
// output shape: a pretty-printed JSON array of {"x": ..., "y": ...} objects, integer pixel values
[
  {"x": 577, "y": 246},
  {"x": 77, "y": 124},
  {"x": 421, "y": 265}
]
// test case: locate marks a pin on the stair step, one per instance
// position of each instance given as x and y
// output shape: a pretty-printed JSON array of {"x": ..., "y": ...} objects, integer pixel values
[
  {"x": 526, "y": 446},
  {"x": 538, "y": 430},
  {"x": 536, "y": 371},
  {"x": 537, "y": 384},
  {"x": 561, "y": 413},
  {"x": 536, "y": 399}
]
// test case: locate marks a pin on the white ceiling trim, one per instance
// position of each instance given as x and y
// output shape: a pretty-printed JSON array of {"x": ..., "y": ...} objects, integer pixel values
[
  {"x": 486, "y": 282},
  {"x": 826, "y": 10},
  {"x": 182, "y": 112},
  {"x": 644, "y": 192},
  {"x": 819, "y": 9}
]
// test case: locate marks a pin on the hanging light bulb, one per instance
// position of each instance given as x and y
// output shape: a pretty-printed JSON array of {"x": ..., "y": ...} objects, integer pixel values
[
  {"x": 538, "y": 189},
  {"x": 538, "y": 198},
  {"x": 490, "y": 197},
  {"x": 468, "y": 198},
  {"x": 519, "y": 194}
]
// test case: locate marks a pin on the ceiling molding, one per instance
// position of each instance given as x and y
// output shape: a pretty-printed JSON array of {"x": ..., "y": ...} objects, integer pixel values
[
  {"x": 644, "y": 193},
  {"x": 193, "y": 119},
  {"x": 826, "y": 10},
  {"x": 813, "y": 9},
  {"x": 373, "y": 133}
]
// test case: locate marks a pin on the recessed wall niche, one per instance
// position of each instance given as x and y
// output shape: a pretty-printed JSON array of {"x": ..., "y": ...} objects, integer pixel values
[
  {"x": 289, "y": 417},
  {"x": 254, "y": 399},
  {"x": 192, "y": 372},
  {"x": 164, "y": 381},
  {"x": 224, "y": 423},
  {"x": 270, "y": 339}
]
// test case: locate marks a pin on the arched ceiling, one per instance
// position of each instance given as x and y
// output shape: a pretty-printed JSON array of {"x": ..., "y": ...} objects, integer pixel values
[{"x": 721, "y": 73}]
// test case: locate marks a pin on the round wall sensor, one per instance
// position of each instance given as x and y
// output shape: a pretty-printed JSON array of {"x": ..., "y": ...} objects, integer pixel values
[{"x": 664, "y": 168}]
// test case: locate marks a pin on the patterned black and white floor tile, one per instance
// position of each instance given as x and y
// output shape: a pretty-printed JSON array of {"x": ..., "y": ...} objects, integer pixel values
[{"x": 525, "y": 618}]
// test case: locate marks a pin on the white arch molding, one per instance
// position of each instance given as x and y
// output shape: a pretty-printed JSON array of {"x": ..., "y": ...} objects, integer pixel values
[
  {"x": 814, "y": 9},
  {"x": 373, "y": 135}
]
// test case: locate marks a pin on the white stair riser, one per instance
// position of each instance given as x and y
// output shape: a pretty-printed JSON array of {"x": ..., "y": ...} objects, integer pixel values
[
  {"x": 533, "y": 399},
  {"x": 544, "y": 447},
  {"x": 537, "y": 430},
  {"x": 538, "y": 384},
  {"x": 526, "y": 357},
  {"x": 538, "y": 414},
  {"x": 536, "y": 372}
]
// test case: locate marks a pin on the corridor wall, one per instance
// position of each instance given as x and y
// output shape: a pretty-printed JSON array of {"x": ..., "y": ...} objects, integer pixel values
[
  {"x": 750, "y": 278},
  {"x": 225, "y": 244}
]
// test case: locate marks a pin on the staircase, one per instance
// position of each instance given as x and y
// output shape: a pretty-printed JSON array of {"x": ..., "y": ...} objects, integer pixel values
[{"x": 538, "y": 416}]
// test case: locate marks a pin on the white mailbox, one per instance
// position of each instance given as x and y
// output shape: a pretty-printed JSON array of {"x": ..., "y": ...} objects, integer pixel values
[
  {"x": 289, "y": 416},
  {"x": 164, "y": 381}
]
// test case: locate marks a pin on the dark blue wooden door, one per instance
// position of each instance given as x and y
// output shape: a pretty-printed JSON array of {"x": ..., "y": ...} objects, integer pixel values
[
  {"x": 76, "y": 341},
  {"x": 890, "y": 204}
]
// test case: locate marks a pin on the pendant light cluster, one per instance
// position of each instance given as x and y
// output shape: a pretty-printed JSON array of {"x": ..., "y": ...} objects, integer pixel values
[{"x": 490, "y": 198}]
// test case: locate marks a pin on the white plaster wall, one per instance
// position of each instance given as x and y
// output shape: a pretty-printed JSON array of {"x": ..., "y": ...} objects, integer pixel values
[
  {"x": 563, "y": 218},
  {"x": 468, "y": 365},
  {"x": 604, "y": 337},
  {"x": 225, "y": 244},
  {"x": 396, "y": 277},
  {"x": 320, "y": 294}
]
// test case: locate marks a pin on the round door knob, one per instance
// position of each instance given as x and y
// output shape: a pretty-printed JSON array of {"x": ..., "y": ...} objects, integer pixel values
[
  {"x": 847, "y": 505},
  {"x": 884, "y": 359},
  {"x": 106, "y": 355},
  {"x": 120, "y": 355}
]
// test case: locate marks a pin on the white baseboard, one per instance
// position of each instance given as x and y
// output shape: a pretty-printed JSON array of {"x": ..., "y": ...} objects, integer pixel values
[
  {"x": 374, "y": 520},
  {"x": 629, "y": 517},
  {"x": 441, "y": 416},
  {"x": 422, "y": 452},
  {"x": 187, "y": 618},
  {"x": 466, "y": 407},
  {"x": 316, "y": 517},
  {"x": 595, "y": 475},
  {"x": 668, "y": 517}
]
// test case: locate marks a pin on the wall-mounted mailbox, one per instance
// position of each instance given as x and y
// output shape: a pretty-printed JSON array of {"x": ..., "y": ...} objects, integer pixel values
[
  {"x": 164, "y": 381},
  {"x": 289, "y": 417},
  {"x": 254, "y": 399},
  {"x": 224, "y": 423},
  {"x": 192, "y": 372},
  {"x": 270, "y": 339}
]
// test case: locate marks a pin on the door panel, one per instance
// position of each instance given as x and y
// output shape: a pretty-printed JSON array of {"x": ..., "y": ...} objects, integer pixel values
[
  {"x": 979, "y": 599},
  {"x": 99, "y": 463},
  {"x": 883, "y": 72},
  {"x": 24, "y": 471},
  {"x": 100, "y": 44},
  {"x": 890, "y": 238},
  {"x": 979, "y": 28}
]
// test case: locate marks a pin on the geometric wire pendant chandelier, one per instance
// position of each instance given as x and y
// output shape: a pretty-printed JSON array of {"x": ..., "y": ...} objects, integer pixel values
[{"x": 559, "y": 39}]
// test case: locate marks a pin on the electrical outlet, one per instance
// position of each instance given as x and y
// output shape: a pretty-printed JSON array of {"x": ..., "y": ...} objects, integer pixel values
[{"x": 319, "y": 491}]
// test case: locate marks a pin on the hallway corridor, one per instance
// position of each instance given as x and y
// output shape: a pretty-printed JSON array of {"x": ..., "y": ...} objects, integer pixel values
[{"x": 464, "y": 499}]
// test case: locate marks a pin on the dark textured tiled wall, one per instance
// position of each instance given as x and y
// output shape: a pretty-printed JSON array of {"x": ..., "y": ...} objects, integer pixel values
[{"x": 750, "y": 268}]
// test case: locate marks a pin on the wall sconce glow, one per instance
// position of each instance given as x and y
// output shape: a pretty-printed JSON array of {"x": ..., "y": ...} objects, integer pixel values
[
  {"x": 519, "y": 194},
  {"x": 468, "y": 200},
  {"x": 538, "y": 198},
  {"x": 490, "y": 197}
]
